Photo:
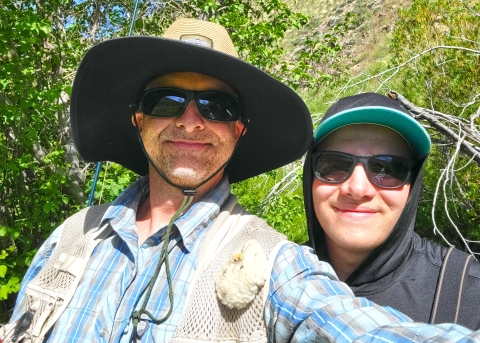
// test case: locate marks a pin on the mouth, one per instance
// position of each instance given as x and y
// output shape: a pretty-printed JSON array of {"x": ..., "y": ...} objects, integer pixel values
[
  {"x": 356, "y": 212},
  {"x": 188, "y": 144}
]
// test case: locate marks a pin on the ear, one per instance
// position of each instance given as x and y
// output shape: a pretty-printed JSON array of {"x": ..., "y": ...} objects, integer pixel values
[
  {"x": 138, "y": 117},
  {"x": 240, "y": 129}
]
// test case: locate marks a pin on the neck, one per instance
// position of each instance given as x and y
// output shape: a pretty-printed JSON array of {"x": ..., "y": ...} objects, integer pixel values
[
  {"x": 164, "y": 200},
  {"x": 343, "y": 261}
]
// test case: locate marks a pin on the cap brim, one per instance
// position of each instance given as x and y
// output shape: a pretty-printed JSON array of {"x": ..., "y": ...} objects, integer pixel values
[
  {"x": 414, "y": 133},
  {"x": 113, "y": 72}
]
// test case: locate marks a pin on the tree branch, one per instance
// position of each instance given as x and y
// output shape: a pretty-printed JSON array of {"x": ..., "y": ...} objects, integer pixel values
[{"x": 433, "y": 118}]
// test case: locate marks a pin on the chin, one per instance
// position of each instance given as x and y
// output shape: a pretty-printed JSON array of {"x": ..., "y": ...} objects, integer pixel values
[
  {"x": 186, "y": 177},
  {"x": 362, "y": 246}
]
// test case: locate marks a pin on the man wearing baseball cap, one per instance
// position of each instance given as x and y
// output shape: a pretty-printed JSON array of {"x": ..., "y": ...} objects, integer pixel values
[
  {"x": 362, "y": 186},
  {"x": 174, "y": 258}
]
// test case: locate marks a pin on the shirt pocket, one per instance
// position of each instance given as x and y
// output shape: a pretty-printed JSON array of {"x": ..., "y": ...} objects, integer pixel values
[{"x": 78, "y": 325}]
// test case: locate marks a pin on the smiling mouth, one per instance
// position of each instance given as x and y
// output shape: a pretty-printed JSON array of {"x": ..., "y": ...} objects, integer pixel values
[
  {"x": 356, "y": 212},
  {"x": 190, "y": 144}
]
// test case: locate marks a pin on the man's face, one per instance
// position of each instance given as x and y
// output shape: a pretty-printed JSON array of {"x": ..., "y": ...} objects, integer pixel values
[
  {"x": 356, "y": 215},
  {"x": 188, "y": 149}
]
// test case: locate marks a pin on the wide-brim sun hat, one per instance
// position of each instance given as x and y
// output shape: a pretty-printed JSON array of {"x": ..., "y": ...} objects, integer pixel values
[
  {"x": 375, "y": 109},
  {"x": 112, "y": 73}
]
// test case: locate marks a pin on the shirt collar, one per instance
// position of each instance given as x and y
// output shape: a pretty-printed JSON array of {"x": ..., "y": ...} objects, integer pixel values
[
  {"x": 129, "y": 199},
  {"x": 203, "y": 212},
  {"x": 200, "y": 215}
]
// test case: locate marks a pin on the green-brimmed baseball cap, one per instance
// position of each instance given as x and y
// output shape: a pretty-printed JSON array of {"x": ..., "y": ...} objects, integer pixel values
[{"x": 375, "y": 109}]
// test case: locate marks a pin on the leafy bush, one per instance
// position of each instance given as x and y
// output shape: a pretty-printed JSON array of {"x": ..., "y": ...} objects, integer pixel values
[{"x": 282, "y": 210}]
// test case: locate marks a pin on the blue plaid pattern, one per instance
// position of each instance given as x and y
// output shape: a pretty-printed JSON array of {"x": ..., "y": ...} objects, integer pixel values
[{"x": 306, "y": 301}]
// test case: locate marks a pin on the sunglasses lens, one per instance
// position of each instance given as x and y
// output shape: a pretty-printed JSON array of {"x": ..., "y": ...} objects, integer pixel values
[
  {"x": 168, "y": 103},
  {"x": 219, "y": 106},
  {"x": 388, "y": 171},
  {"x": 382, "y": 171},
  {"x": 165, "y": 103},
  {"x": 333, "y": 168}
]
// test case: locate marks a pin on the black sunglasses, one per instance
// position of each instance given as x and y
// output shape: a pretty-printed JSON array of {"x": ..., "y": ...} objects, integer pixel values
[
  {"x": 383, "y": 171},
  {"x": 171, "y": 102}
]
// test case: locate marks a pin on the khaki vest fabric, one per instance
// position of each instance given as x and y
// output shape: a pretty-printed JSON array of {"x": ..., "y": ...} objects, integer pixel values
[
  {"x": 205, "y": 318},
  {"x": 49, "y": 293}
]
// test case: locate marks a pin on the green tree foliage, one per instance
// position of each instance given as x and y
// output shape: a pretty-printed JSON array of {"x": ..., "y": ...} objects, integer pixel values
[
  {"x": 41, "y": 44},
  {"x": 112, "y": 180},
  {"x": 446, "y": 79},
  {"x": 35, "y": 175},
  {"x": 277, "y": 197}
]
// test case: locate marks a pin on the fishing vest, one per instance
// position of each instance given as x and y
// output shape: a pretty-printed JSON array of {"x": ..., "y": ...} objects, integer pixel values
[{"x": 238, "y": 245}]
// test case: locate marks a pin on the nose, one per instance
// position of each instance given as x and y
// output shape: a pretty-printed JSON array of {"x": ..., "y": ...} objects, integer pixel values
[
  {"x": 191, "y": 119},
  {"x": 358, "y": 186}
]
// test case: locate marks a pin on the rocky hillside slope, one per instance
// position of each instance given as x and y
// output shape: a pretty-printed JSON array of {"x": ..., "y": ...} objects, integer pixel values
[{"x": 367, "y": 43}]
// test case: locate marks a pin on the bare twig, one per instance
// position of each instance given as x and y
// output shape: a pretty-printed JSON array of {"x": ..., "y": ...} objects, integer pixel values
[
  {"x": 469, "y": 8},
  {"x": 433, "y": 118},
  {"x": 287, "y": 182}
]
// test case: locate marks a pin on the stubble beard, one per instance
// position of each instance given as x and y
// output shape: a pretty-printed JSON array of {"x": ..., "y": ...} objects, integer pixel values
[{"x": 183, "y": 167}]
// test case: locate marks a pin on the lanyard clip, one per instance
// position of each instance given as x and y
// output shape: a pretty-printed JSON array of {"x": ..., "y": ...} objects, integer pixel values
[{"x": 189, "y": 192}]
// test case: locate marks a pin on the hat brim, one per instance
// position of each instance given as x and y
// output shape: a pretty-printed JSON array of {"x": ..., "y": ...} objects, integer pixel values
[
  {"x": 113, "y": 72},
  {"x": 414, "y": 133}
]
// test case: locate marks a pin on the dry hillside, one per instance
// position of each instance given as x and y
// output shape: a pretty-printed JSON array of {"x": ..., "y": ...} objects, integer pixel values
[{"x": 367, "y": 43}]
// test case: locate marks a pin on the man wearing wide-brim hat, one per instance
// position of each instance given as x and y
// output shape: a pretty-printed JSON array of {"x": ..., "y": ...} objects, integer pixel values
[{"x": 174, "y": 257}]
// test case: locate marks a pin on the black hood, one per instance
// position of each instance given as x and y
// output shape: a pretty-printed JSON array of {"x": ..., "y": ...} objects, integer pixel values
[{"x": 387, "y": 257}]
